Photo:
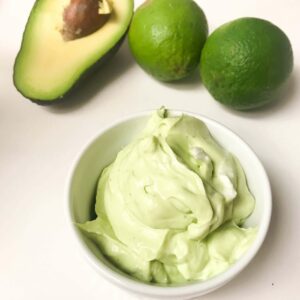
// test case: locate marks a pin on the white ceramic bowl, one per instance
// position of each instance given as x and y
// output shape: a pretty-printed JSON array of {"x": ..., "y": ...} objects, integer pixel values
[{"x": 103, "y": 149}]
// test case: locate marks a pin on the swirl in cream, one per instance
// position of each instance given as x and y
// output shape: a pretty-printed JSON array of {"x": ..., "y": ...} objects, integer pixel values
[{"x": 170, "y": 207}]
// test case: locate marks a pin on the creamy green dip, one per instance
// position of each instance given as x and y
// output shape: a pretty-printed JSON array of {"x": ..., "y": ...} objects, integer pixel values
[{"x": 170, "y": 207}]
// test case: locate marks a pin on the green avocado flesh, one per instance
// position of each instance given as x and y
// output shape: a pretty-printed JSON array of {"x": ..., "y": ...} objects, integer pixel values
[
  {"x": 47, "y": 66},
  {"x": 170, "y": 208}
]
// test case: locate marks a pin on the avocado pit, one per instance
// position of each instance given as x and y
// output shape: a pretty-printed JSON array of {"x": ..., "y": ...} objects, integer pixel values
[{"x": 84, "y": 17}]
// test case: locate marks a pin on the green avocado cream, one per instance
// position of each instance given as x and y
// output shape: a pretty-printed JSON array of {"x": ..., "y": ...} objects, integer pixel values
[{"x": 170, "y": 207}]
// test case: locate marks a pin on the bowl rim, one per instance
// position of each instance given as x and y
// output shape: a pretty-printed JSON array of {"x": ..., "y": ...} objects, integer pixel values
[{"x": 193, "y": 288}]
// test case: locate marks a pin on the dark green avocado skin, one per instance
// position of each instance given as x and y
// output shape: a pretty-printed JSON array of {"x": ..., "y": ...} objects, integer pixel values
[{"x": 95, "y": 67}]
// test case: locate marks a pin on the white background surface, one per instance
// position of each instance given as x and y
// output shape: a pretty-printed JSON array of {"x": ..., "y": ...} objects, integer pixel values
[{"x": 38, "y": 145}]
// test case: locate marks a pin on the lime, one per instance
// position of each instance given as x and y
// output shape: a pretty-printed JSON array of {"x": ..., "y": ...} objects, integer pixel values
[
  {"x": 245, "y": 62},
  {"x": 166, "y": 37}
]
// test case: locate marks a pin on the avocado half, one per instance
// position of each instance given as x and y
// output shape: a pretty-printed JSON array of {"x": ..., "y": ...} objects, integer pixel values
[{"x": 47, "y": 67}]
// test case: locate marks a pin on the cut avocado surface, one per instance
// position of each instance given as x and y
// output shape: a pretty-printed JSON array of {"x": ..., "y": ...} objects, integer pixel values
[{"x": 47, "y": 66}]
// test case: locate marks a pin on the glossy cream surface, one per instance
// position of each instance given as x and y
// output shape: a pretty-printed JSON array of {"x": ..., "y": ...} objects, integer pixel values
[{"x": 170, "y": 207}]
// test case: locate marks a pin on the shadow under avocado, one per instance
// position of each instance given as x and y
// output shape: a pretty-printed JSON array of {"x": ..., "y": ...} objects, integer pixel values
[{"x": 95, "y": 81}]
